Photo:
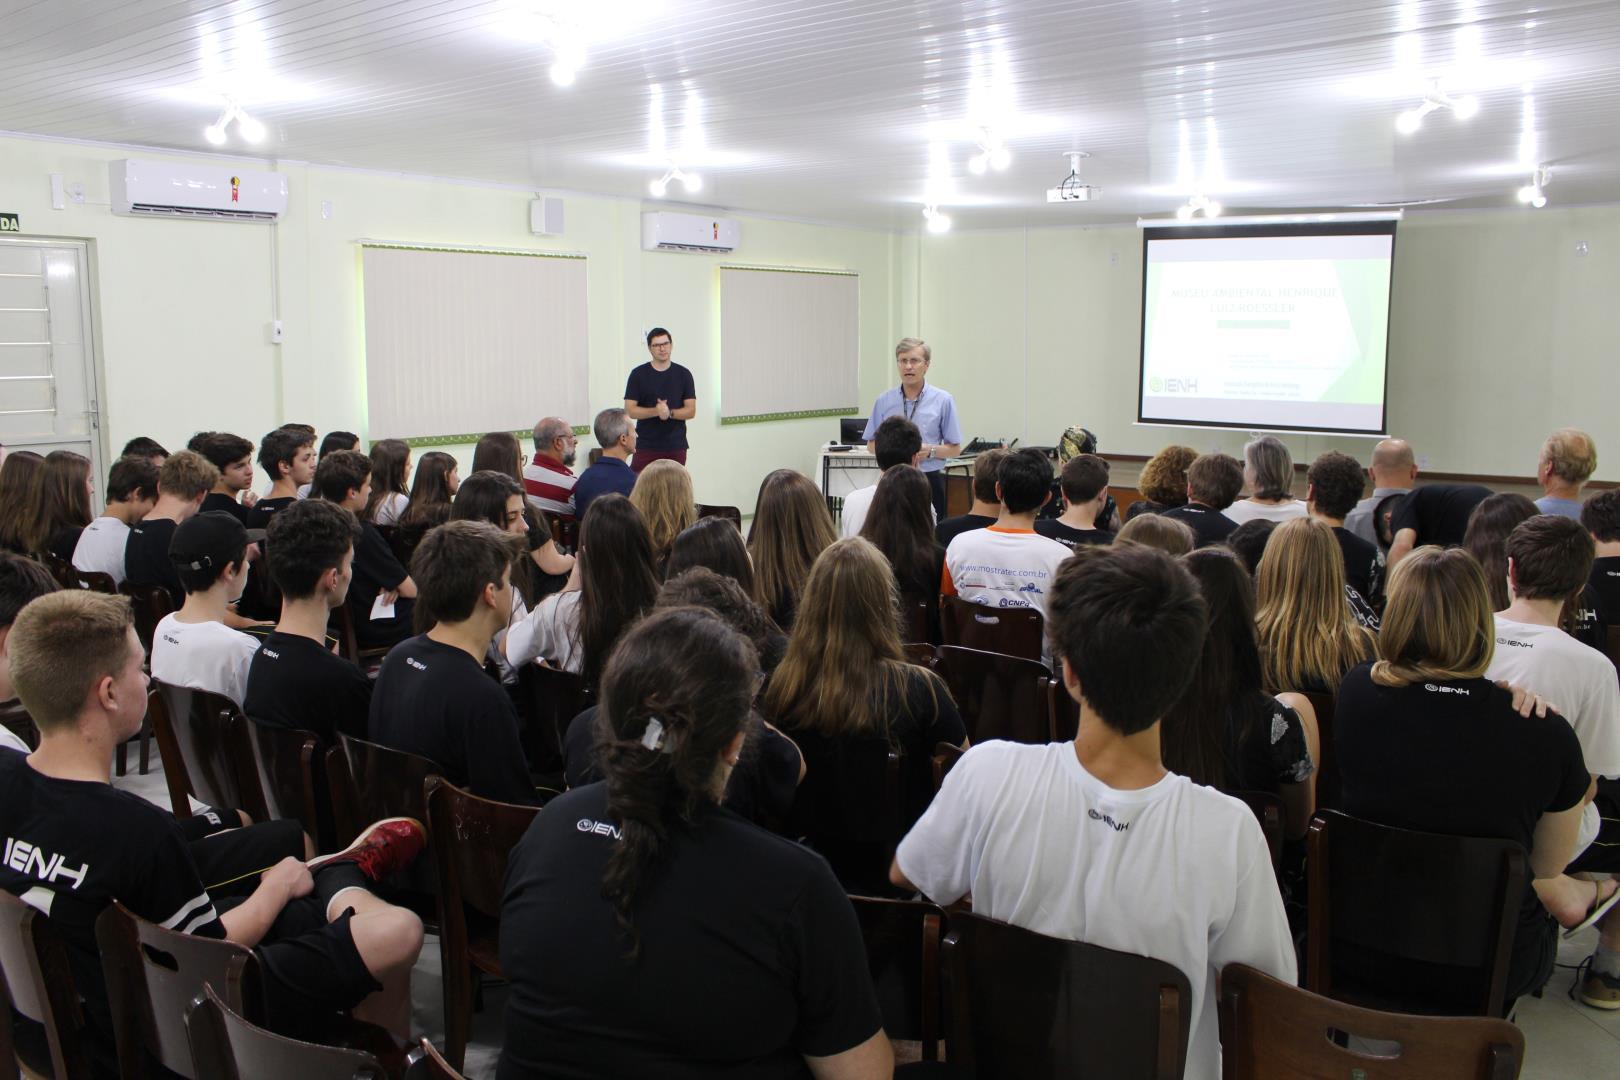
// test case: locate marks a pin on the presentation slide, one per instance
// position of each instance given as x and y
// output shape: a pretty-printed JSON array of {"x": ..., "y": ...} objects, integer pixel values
[{"x": 1281, "y": 331}]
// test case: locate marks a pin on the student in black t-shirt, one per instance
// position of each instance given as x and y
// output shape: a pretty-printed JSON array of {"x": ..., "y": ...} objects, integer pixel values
[
  {"x": 1432, "y": 514},
  {"x": 647, "y": 931},
  {"x": 288, "y": 455},
  {"x": 295, "y": 680},
  {"x": 661, "y": 397},
  {"x": 324, "y": 943},
  {"x": 381, "y": 594},
  {"x": 183, "y": 483},
  {"x": 986, "y": 508},
  {"x": 21, "y": 580},
  {"x": 433, "y": 696},
  {"x": 1085, "y": 497},
  {"x": 232, "y": 455},
  {"x": 846, "y": 693},
  {"x": 900, "y": 524},
  {"x": 1599, "y": 606},
  {"x": 1334, "y": 484},
  {"x": 1214, "y": 482}
]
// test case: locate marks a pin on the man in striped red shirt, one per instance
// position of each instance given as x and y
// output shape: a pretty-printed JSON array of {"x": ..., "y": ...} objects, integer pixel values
[{"x": 548, "y": 480}]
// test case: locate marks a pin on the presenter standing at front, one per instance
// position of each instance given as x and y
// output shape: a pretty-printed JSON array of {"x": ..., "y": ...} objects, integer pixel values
[
  {"x": 930, "y": 408},
  {"x": 661, "y": 397}
]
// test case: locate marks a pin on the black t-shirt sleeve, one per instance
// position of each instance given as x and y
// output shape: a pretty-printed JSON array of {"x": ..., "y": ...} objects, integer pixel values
[
  {"x": 633, "y": 388},
  {"x": 496, "y": 765},
  {"x": 166, "y": 889},
  {"x": 763, "y": 785},
  {"x": 1410, "y": 515},
  {"x": 940, "y": 721},
  {"x": 838, "y": 1007},
  {"x": 688, "y": 386},
  {"x": 1573, "y": 779}
]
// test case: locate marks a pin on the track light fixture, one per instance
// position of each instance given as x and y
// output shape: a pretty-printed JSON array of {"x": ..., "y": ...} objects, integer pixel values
[
  {"x": 690, "y": 181},
  {"x": 1463, "y": 108},
  {"x": 993, "y": 154},
  {"x": 1198, "y": 204},
  {"x": 1532, "y": 194},
  {"x": 938, "y": 222},
  {"x": 250, "y": 129}
]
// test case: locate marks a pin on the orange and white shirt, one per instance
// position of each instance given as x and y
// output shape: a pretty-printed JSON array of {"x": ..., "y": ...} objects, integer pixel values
[{"x": 1002, "y": 567}]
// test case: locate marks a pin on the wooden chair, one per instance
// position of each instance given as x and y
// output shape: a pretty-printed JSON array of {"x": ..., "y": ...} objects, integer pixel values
[
  {"x": 919, "y": 652},
  {"x": 852, "y": 806},
  {"x": 62, "y": 570},
  {"x": 1273, "y": 1031},
  {"x": 1012, "y": 631},
  {"x": 426, "y": 1063},
  {"x": 1611, "y": 646},
  {"x": 153, "y": 975},
  {"x": 1415, "y": 900},
  {"x": 36, "y": 982},
  {"x": 946, "y": 756},
  {"x": 1268, "y": 808},
  {"x": 564, "y": 531},
  {"x": 224, "y": 1046},
  {"x": 292, "y": 779},
  {"x": 151, "y": 604},
  {"x": 348, "y": 644},
  {"x": 730, "y": 513},
  {"x": 916, "y": 620},
  {"x": 1062, "y": 711},
  {"x": 1329, "y": 791},
  {"x": 203, "y": 741},
  {"x": 473, "y": 839},
  {"x": 370, "y": 782},
  {"x": 551, "y": 698},
  {"x": 1000, "y": 696},
  {"x": 1024, "y": 1005},
  {"x": 16, "y": 720},
  {"x": 71, "y": 577},
  {"x": 902, "y": 952}
]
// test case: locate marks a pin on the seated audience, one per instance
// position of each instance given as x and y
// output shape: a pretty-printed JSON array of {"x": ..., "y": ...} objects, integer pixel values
[
  {"x": 1163, "y": 481},
  {"x": 1434, "y": 514},
  {"x": 646, "y": 930},
  {"x": 432, "y": 696},
  {"x": 381, "y": 594},
  {"x": 193, "y": 647},
  {"x": 142, "y": 447},
  {"x": 499, "y": 451},
  {"x": 663, "y": 494},
  {"x": 21, "y": 474},
  {"x": 1309, "y": 635},
  {"x": 131, "y": 493},
  {"x": 1225, "y": 731},
  {"x": 1008, "y": 564},
  {"x": 295, "y": 680},
  {"x": 1158, "y": 531},
  {"x": 1333, "y": 484},
  {"x": 333, "y": 440},
  {"x": 985, "y": 508},
  {"x": 847, "y": 694},
  {"x": 184, "y": 481},
  {"x": 614, "y": 582},
  {"x": 495, "y": 498},
  {"x": 1486, "y": 539},
  {"x": 289, "y": 457},
  {"x": 1248, "y": 541},
  {"x": 432, "y": 489},
  {"x": 323, "y": 942},
  {"x": 1084, "y": 484},
  {"x": 548, "y": 480},
  {"x": 900, "y": 524},
  {"x": 1393, "y": 472},
  {"x": 1094, "y": 840},
  {"x": 1425, "y": 741},
  {"x": 610, "y": 475},
  {"x": 1268, "y": 471},
  {"x": 232, "y": 455},
  {"x": 714, "y": 543},
  {"x": 21, "y": 580},
  {"x": 897, "y": 442},
  {"x": 390, "y": 465},
  {"x": 1568, "y": 460},
  {"x": 791, "y": 527},
  {"x": 1213, "y": 482},
  {"x": 63, "y": 511},
  {"x": 1600, "y": 604}
]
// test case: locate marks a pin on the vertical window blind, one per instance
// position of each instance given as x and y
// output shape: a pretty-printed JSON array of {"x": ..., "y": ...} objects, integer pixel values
[{"x": 789, "y": 343}]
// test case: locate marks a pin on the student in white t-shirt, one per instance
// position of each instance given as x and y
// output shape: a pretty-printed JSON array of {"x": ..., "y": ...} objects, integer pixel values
[
  {"x": 193, "y": 647},
  {"x": 1094, "y": 840},
  {"x": 131, "y": 493},
  {"x": 897, "y": 442},
  {"x": 1549, "y": 559},
  {"x": 1009, "y": 564}
]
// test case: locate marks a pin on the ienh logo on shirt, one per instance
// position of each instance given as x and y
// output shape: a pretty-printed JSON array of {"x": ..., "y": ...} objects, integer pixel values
[{"x": 25, "y": 858}]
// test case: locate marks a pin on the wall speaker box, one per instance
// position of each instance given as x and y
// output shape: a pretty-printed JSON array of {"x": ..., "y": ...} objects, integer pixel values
[{"x": 546, "y": 216}]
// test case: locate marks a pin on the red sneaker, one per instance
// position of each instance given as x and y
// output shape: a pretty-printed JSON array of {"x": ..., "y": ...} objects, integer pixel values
[{"x": 381, "y": 850}]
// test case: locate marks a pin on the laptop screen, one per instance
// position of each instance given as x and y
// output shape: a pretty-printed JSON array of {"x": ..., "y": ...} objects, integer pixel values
[{"x": 851, "y": 430}]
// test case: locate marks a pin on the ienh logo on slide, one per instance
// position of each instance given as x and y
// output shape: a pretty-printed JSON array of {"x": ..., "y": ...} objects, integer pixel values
[{"x": 1173, "y": 386}]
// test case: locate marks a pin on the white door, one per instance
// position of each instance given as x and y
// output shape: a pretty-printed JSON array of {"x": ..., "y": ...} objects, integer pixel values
[{"x": 48, "y": 396}]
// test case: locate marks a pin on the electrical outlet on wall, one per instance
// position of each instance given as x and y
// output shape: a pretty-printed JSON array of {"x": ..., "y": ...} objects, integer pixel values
[{"x": 275, "y": 332}]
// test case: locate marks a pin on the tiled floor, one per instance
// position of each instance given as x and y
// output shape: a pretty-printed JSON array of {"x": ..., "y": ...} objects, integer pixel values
[{"x": 1565, "y": 1040}]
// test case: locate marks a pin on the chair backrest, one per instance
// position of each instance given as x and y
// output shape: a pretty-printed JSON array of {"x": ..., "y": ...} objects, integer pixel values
[
  {"x": 852, "y": 806},
  {"x": 61, "y": 570},
  {"x": 1014, "y": 631},
  {"x": 1611, "y": 644},
  {"x": 1000, "y": 696},
  {"x": 375, "y": 782},
  {"x": 1329, "y": 791},
  {"x": 1268, "y": 808},
  {"x": 153, "y": 975},
  {"x": 204, "y": 743},
  {"x": 946, "y": 755},
  {"x": 224, "y": 1046},
  {"x": 914, "y": 620},
  {"x": 151, "y": 604},
  {"x": 291, "y": 773},
  {"x": 426, "y": 1063},
  {"x": 474, "y": 838},
  {"x": 1273, "y": 1031},
  {"x": 902, "y": 952},
  {"x": 550, "y": 698},
  {"x": 1422, "y": 898},
  {"x": 564, "y": 531},
  {"x": 919, "y": 652},
  {"x": 1062, "y": 711},
  {"x": 730, "y": 513},
  {"x": 37, "y": 982},
  {"x": 1021, "y": 1004}
]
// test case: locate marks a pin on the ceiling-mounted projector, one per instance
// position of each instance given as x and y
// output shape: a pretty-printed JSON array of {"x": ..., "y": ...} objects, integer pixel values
[{"x": 1071, "y": 189}]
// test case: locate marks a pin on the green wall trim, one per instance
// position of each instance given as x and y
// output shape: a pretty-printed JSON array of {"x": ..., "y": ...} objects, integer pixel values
[
  {"x": 802, "y": 414},
  {"x": 472, "y": 437}
]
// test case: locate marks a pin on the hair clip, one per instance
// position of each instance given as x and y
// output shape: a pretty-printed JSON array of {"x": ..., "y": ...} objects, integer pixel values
[{"x": 653, "y": 737}]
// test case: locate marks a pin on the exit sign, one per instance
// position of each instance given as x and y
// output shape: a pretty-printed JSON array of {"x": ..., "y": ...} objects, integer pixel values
[{"x": 10, "y": 223}]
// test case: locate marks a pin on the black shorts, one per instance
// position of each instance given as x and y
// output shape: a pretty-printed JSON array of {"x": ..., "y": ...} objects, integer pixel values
[
  {"x": 312, "y": 970},
  {"x": 1603, "y": 856},
  {"x": 229, "y": 860}
]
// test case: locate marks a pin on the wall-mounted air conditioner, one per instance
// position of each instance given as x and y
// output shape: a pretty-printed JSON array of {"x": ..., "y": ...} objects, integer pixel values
[
  {"x": 662, "y": 230},
  {"x": 170, "y": 189}
]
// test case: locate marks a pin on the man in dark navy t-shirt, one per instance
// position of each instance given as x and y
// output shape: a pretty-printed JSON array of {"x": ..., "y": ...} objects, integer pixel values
[{"x": 661, "y": 397}]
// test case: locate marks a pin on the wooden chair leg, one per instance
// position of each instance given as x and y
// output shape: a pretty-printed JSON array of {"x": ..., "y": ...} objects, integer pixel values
[
  {"x": 458, "y": 990},
  {"x": 146, "y": 744},
  {"x": 119, "y": 764}
]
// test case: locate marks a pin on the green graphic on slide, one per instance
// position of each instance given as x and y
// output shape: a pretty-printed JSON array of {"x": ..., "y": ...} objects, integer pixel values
[{"x": 1364, "y": 284}]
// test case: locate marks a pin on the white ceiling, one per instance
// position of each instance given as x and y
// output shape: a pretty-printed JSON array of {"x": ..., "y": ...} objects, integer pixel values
[{"x": 842, "y": 110}]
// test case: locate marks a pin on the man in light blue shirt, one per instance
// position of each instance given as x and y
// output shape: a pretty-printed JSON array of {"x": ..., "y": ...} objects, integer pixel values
[
  {"x": 1568, "y": 460},
  {"x": 930, "y": 408}
]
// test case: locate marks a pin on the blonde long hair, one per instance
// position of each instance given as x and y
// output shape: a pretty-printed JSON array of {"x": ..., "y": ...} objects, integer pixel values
[
  {"x": 1308, "y": 636},
  {"x": 844, "y": 664},
  {"x": 1438, "y": 624},
  {"x": 792, "y": 527},
  {"x": 663, "y": 494}
]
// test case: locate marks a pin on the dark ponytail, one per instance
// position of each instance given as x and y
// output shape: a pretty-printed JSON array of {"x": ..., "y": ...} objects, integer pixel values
[{"x": 694, "y": 675}]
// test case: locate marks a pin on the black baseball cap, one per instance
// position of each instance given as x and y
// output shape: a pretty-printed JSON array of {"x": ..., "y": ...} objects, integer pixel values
[{"x": 210, "y": 539}]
